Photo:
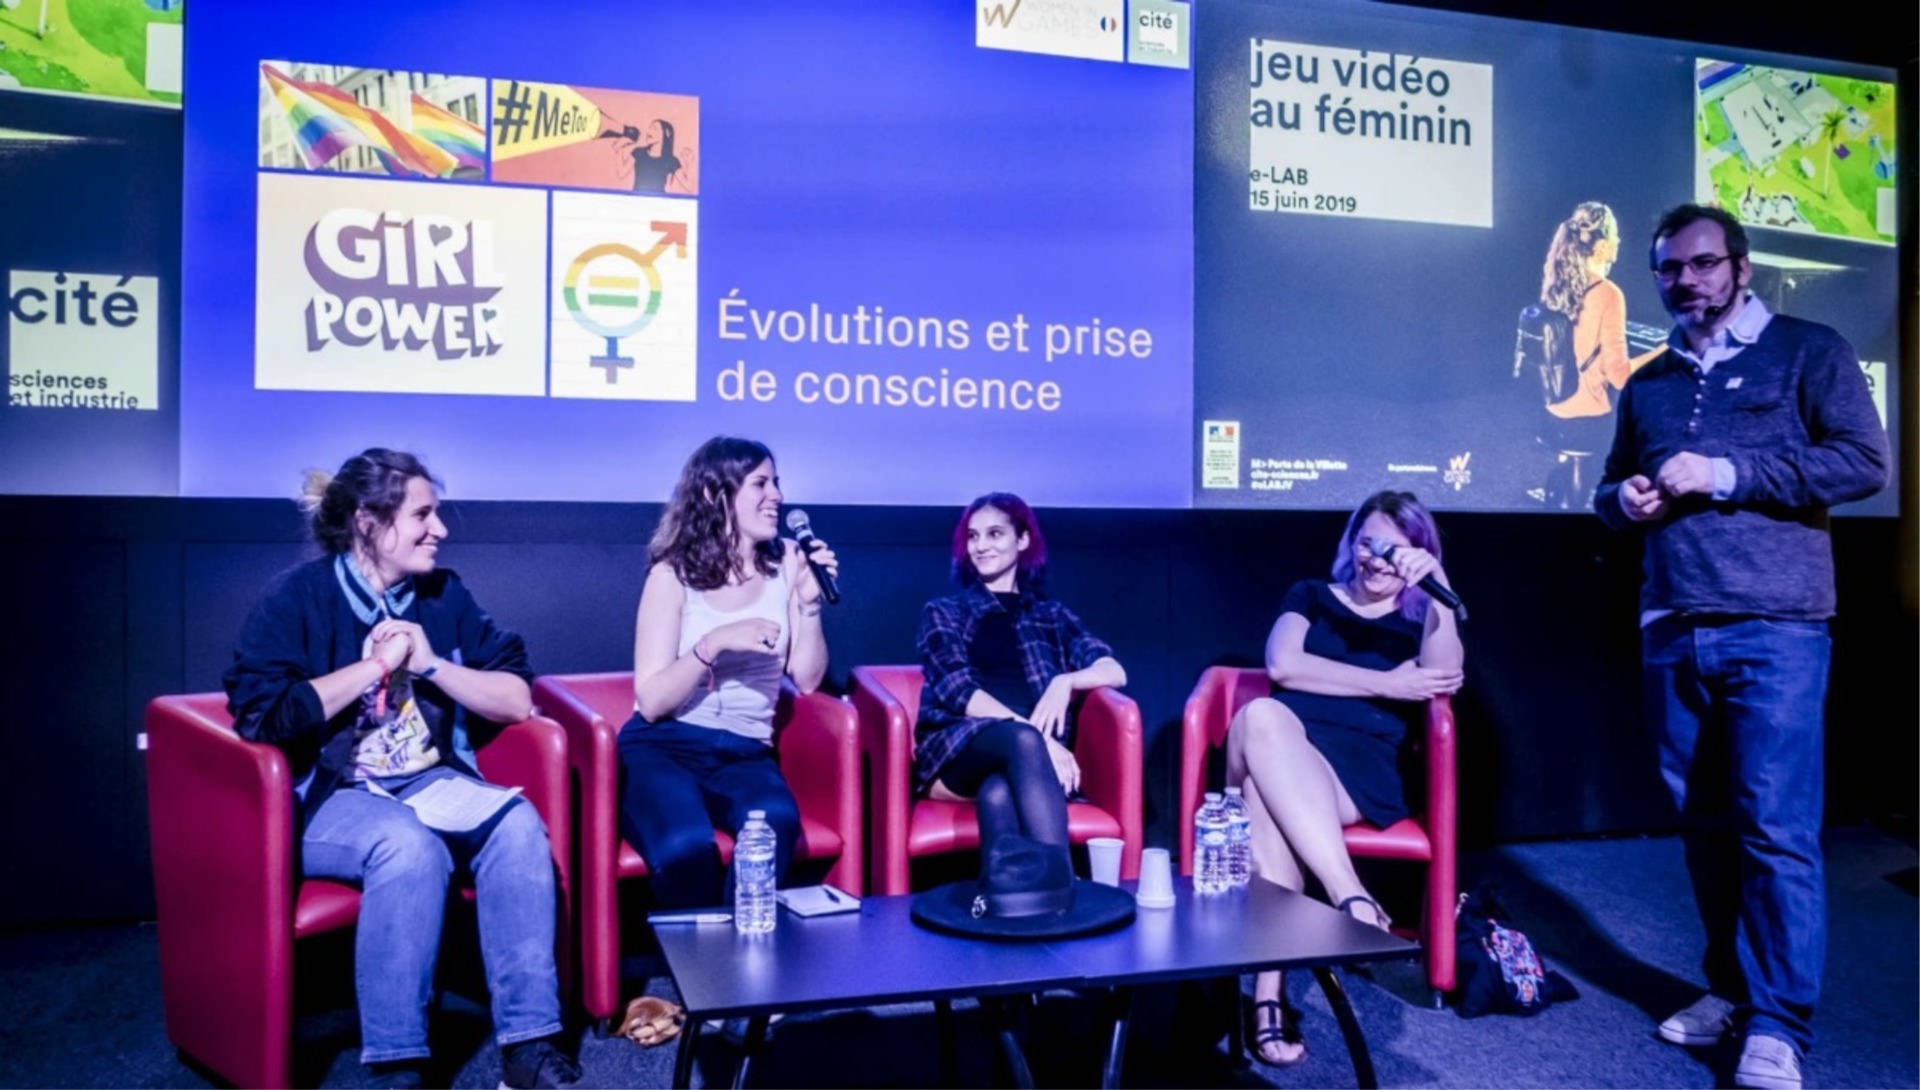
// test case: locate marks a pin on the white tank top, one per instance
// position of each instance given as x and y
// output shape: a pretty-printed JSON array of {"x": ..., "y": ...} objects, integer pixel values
[{"x": 745, "y": 686}]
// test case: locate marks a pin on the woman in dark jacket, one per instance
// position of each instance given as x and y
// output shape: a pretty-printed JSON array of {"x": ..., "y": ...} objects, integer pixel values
[{"x": 376, "y": 672}]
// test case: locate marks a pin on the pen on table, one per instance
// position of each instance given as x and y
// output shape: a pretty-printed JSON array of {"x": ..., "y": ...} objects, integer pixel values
[
  {"x": 692, "y": 917},
  {"x": 831, "y": 895}
]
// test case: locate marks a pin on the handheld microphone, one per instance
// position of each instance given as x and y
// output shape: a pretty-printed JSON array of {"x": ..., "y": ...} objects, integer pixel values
[
  {"x": 802, "y": 528},
  {"x": 1435, "y": 589}
]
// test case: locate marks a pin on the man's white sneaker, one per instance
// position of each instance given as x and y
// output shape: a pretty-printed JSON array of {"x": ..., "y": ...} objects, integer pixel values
[
  {"x": 1704, "y": 1023},
  {"x": 1767, "y": 1063}
]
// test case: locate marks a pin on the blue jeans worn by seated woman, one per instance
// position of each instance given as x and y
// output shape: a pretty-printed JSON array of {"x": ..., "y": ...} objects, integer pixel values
[
  {"x": 404, "y": 869},
  {"x": 1739, "y": 706},
  {"x": 678, "y": 783}
]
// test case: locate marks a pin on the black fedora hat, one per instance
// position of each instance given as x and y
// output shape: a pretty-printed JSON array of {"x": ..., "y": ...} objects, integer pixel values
[{"x": 1026, "y": 890}]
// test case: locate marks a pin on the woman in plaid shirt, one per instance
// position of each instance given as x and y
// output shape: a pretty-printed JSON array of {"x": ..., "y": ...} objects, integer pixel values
[{"x": 1002, "y": 663}]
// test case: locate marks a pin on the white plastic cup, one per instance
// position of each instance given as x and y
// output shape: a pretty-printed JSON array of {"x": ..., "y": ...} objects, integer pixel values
[
  {"x": 1103, "y": 859},
  {"x": 1156, "y": 879}
]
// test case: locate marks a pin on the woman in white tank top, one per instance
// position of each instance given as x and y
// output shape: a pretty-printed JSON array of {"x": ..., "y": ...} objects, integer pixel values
[{"x": 729, "y": 609}]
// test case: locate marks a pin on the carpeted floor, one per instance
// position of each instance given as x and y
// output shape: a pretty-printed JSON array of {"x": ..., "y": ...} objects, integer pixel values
[{"x": 81, "y": 1006}]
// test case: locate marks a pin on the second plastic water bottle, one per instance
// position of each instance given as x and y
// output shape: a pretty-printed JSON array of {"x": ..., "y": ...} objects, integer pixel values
[
  {"x": 1239, "y": 839},
  {"x": 1210, "y": 846},
  {"x": 753, "y": 877}
]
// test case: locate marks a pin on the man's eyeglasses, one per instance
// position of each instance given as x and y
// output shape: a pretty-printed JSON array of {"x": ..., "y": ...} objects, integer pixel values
[{"x": 1669, "y": 271}]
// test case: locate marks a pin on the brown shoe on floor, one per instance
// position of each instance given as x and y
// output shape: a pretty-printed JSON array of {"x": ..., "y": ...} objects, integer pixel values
[{"x": 652, "y": 1020}]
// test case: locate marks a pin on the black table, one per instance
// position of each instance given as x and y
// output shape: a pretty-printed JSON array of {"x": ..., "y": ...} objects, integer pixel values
[
  {"x": 880, "y": 955},
  {"x": 1242, "y": 931}
]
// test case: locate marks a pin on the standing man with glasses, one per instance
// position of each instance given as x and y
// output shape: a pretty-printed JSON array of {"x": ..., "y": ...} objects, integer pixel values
[{"x": 1727, "y": 452}]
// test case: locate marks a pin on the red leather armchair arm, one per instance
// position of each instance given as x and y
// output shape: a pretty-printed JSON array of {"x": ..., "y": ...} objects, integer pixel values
[
  {"x": 1196, "y": 723},
  {"x": 1216, "y": 698},
  {"x": 886, "y": 748},
  {"x": 1443, "y": 832},
  {"x": 594, "y": 765},
  {"x": 1110, "y": 748},
  {"x": 221, "y": 810},
  {"x": 532, "y": 755},
  {"x": 820, "y": 757}
]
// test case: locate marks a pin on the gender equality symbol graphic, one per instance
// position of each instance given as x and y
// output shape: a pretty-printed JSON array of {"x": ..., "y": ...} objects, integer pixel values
[{"x": 612, "y": 306}]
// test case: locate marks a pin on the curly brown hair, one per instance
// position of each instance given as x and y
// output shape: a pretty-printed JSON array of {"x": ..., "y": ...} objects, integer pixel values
[{"x": 696, "y": 535}]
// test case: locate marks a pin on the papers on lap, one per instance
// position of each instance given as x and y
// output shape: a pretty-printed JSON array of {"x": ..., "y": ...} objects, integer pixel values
[{"x": 454, "y": 804}]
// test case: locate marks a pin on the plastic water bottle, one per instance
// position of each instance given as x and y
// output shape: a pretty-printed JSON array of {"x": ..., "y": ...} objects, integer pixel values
[
  {"x": 753, "y": 878},
  {"x": 1210, "y": 846},
  {"x": 1239, "y": 839}
]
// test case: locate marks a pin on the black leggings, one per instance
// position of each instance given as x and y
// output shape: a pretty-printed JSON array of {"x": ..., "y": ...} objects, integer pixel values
[{"x": 1007, "y": 770}]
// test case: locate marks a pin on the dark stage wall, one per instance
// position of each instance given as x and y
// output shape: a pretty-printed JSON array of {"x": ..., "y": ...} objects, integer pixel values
[{"x": 111, "y": 602}]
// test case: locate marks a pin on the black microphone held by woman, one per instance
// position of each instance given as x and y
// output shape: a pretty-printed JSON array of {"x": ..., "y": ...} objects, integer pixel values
[
  {"x": 1435, "y": 589},
  {"x": 803, "y": 533}
]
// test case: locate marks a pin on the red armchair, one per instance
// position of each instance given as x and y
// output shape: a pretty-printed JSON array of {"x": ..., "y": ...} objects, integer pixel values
[
  {"x": 1108, "y": 746},
  {"x": 227, "y": 882},
  {"x": 818, "y": 753},
  {"x": 1431, "y": 838}
]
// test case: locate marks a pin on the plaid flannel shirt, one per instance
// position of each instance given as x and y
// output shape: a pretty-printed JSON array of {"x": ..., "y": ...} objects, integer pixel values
[{"x": 1052, "y": 642}]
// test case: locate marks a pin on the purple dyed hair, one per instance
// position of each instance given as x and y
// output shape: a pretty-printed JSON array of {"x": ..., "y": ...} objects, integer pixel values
[
  {"x": 1032, "y": 565},
  {"x": 1405, "y": 511}
]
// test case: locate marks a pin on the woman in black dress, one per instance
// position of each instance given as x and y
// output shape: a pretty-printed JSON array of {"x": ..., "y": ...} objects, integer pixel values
[{"x": 1353, "y": 662}]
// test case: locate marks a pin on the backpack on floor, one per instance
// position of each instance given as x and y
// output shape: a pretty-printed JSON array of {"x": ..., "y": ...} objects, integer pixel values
[{"x": 1500, "y": 972}]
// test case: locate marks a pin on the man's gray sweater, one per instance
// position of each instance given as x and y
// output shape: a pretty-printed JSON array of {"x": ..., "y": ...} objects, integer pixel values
[{"x": 1793, "y": 413}]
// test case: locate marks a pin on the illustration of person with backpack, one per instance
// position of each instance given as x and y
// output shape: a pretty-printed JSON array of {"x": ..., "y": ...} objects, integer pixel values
[{"x": 1574, "y": 339}]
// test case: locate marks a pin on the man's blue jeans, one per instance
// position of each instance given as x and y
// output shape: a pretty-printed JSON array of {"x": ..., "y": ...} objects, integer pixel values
[
  {"x": 403, "y": 870},
  {"x": 1738, "y": 705}
]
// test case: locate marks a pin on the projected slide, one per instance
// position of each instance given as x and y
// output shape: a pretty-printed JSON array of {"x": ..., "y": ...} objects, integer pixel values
[
  {"x": 118, "y": 49},
  {"x": 596, "y": 139},
  {"x": 395, "y": 288},
  {"x": 88, "y": 300},
  {"x": 920, "y": 260},
  {"x": 1420, "y": 242},
  {"x": 1359, "y": 133},
  {"x": 363, "y": 121},
  {"x": 1797, "y": 150},
  {"x": 623, "y": 308}
]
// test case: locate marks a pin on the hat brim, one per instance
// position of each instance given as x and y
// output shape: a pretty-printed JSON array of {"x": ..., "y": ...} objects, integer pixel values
[{"x": 1095, "y": 908}]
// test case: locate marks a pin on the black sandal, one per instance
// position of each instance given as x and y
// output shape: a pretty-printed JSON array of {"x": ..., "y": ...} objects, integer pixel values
[
  {"x": 1380, "y": 918},
  {"x": 1277, "y": 1031}
]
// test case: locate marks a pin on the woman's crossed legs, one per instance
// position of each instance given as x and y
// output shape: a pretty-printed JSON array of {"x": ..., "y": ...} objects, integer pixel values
[{"x": 1298, "y": 808}]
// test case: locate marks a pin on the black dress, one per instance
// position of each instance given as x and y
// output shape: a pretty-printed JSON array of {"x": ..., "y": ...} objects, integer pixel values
[{"x": 1362, "y": 737}]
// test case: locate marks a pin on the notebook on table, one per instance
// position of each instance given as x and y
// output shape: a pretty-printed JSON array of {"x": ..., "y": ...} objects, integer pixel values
[{"x": 817, "y": 900}]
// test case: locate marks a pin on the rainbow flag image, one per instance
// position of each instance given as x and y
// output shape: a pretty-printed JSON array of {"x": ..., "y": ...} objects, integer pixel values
[
  {"x": 326, "y": 121},
  {"x": 451, "y": 133}
]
